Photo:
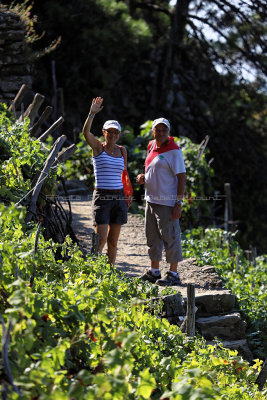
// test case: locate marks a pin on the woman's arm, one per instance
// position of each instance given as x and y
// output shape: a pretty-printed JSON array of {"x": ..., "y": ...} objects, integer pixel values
[
  {"x": 124, "y": 153},
  {"x": 93, "y": 142}
]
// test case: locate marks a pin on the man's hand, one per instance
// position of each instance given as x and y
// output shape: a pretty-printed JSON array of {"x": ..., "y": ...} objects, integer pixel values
[
  {"x": 140, "y": 179},
  {"x": 177, "y": 211},
  {"x": 96, "y": 106}
]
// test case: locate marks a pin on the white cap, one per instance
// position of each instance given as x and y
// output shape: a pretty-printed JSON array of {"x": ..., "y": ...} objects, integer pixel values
[
  {"x": 161, "y": 121},
  {"x": 111, "y": 123}
]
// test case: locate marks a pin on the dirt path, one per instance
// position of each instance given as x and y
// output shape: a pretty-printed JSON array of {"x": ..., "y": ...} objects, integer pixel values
[{"x": 132, "y": 257}]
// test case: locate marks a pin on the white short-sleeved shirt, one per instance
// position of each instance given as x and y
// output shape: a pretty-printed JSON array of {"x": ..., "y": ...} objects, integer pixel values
[{"x": 162, "y": 165}]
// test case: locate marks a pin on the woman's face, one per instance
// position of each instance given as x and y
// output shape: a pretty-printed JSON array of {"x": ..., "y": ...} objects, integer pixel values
[{"x": 111, "y": 135}]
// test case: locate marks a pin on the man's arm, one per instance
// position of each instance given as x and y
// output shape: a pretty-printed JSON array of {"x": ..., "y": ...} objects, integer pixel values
[
  {"x": 181, "y": 185},
  {"x": 177, "y": 209}
]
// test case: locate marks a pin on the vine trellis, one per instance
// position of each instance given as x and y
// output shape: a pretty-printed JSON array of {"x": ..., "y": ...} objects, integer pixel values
[{"x": 51, "y": 215}]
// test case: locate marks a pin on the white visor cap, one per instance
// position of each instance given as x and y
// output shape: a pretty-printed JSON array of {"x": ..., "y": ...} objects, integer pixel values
[
  {"x": 161, "y": 121},
  {"x": 111, "y": 123}
]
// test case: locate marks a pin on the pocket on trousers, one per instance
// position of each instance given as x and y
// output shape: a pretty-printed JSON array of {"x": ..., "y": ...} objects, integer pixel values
[{"x": 175, "y": 230}]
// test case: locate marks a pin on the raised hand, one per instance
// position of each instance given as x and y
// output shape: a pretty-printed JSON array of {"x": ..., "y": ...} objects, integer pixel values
[{"x": 96, "y": 105}]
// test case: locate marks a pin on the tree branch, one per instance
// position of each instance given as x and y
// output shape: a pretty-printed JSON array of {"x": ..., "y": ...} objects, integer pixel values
[
  {"x": 246, "y": 54},
  {"x": 153, "y": 7}
]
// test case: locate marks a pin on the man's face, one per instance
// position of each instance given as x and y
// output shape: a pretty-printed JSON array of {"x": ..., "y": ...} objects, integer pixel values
[{"x": 160, "y": 133}]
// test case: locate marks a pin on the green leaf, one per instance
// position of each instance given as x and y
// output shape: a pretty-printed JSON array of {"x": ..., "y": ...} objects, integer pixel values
[{"x": 146, "y": 384}]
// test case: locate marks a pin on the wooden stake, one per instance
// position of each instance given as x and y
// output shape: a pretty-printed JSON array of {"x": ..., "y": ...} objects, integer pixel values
[
  {"x": 45, "y": 171},
  {"x": 34, "y": 131},
  {"x": 95, "y": 243},
  {"x": 18, "y": 99},
  {"x": 33, "y": 108},
  {"x": 237, "y": 258},
  {"x": 54, "y": 81},
  {"x": 248, "y": 255},
  {"x": 65, "y": 154},
  {"x": 202, "y": 149},
  {"x": 228, "y": 213},
  {"x": 253, "y": 255},
  {"x": 51, "y": 129},
  {"x": 190, "y": 313},
  {"x": 36, "y": 104}
]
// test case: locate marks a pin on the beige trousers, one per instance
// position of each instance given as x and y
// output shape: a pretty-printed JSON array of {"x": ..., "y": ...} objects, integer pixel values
[{"x": 162, "y": 231}]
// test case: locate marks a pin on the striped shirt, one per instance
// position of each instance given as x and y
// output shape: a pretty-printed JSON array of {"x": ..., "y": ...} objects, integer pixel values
[{"x": 108, "y": 170}]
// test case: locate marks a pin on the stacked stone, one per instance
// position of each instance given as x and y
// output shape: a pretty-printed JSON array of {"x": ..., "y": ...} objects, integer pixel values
[{"x": 14, "y": 65}]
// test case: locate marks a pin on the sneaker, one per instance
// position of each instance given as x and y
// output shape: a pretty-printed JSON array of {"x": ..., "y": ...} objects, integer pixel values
[
  {"x": 169, "y": 280},
  {"x": 148, "y": 276}
]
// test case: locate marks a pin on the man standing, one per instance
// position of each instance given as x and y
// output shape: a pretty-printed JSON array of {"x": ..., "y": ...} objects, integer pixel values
[{"x": 165, "y": 184}]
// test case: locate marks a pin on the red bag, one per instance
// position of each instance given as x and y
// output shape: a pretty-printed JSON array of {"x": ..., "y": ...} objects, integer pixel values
[{"x": 127, "y": 186}]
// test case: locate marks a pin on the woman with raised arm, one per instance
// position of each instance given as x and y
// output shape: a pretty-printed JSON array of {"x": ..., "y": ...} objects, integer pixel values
[{"x": 109, "y": 160}]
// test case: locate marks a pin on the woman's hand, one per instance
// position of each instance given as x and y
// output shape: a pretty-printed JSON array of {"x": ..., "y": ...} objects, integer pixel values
[
  {"x": 140, "y": 179},
  {"x": 93, "y": 142},
  {"x": 96, "y": 105},
  {"x": 129, "y": 201}
]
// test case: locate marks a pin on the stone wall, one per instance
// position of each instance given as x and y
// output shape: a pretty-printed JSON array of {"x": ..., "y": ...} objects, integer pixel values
[{"x": 14, "y": 65}]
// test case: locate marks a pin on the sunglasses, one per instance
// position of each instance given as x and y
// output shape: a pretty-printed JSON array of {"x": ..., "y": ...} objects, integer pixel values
[{"x": 111, "y": 131}]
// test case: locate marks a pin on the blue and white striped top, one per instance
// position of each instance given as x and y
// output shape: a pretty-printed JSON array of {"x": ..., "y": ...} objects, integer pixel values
[{"x": 108, "y": 170}]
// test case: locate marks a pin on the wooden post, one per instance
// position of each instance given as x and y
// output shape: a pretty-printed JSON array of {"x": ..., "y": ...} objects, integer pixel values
[
  {"x": 18, "y": 99},
  {"x": 202, "y": 146},
  {"x": 260, "y": 381},
  {"x": 54, "y": 81},
  {"x": 229, "y": 239},
  {"x": 51, "y": 129},
  {"x": 95, "y": 243},
  {"x": 190, "y": 313},
  {"x": 32, "y": 111},
  {"x": 21, "y": 111},
  {"x": 237, "y": 258},
  {"x": 34, "y": 131},
  {"x": 221, "y": 240},
  {"x": 253, "y": 255},
  {"x": 65, "y": 154},
  {"x": 43, "y": 175},
  {"x": 248, "y": 255},
  {"x": 228, "y": 212},
  {"x": 61, "y": 102}
]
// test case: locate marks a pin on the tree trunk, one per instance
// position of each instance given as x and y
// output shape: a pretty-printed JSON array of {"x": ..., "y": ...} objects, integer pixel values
[
  {"x": 179, "y": 20},
  {"x": 171, "y": 57}
]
